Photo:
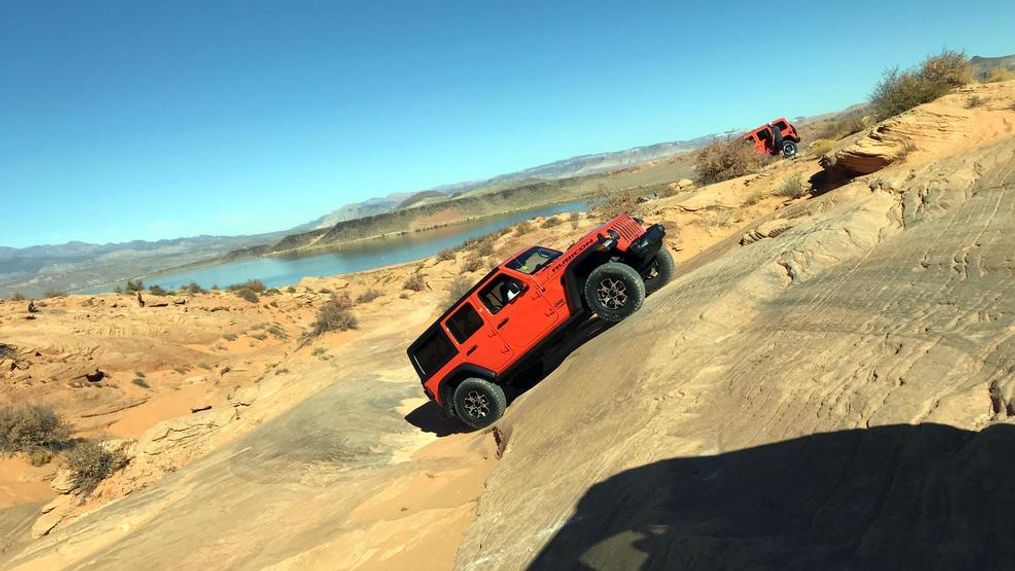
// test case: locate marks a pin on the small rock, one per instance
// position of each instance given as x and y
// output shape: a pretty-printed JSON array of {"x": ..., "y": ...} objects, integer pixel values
[{"x": 63, "y": 483}]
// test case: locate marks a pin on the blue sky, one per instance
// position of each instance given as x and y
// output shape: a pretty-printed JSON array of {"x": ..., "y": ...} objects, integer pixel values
[{"x": 146, "y": 120}]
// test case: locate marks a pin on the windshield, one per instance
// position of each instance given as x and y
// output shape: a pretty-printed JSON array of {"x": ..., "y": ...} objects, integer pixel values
[{"x": 533, "y": 260}]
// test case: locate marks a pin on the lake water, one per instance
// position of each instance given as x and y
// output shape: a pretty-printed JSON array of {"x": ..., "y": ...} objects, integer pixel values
[{"x": 276, "y": 272}]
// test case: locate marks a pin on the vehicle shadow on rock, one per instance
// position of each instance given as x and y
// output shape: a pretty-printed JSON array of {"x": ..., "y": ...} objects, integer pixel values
[
  {"x": 925, "y": 496},
  {"x": 428, "y": 417}
]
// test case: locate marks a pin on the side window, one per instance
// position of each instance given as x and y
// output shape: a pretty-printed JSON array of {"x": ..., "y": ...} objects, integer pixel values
[
  {"x": 781, "y": 125},
  {"x": 434, "y": 351},
  {"x": 464, "y": 322},
  {"x": 499, "y": 292}
]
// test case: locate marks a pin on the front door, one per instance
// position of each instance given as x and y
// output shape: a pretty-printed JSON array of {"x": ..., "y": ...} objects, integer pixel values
[{"x": 518, "y": 311}]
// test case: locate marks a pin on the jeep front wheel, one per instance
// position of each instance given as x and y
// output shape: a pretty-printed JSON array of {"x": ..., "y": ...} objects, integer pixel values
[
  {"x": 479, "y": 403},
  {"x": 614, "y": 291},
  {"x": 660, "y": 271}
]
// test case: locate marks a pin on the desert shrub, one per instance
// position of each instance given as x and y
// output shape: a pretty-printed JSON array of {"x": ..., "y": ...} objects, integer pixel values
[
  {"x": 523, "y": 228},
  {"x": 610, "y": 204},
  {"x": 842, "y": 126},
  {"x": 403, "y": 295},
  {"x": 318, "y": 351},
  {"x": 998, "y": 74},
  {"x": 368, "y": 296},
  {"x": 134, "y": 285},
  {"x": 256, "y": 286},
  {"x": 194, "y": 288},
  {"x": 290, "y": 289},
  {"x": 51, "y": 293},
  {"x": 792, "y": 187},
  {"x": 900, "y": 90},
  {"x": 550, "y": 222},
  {"x": 335, "y": 315},
  {"x": 230, "y": 337},
  {"x": 726, "y": 159},
  {"x": 457, "y": 288},
  {"x": 246, "y": 294},
  {"x": 975, "y": 101},
  {"x": 821, "y": 146},
  {"x": 39, "y": 457},
  {"x": 26, "y": 427},
  {"x": 90, "y": 463},
  {"x": 754, "y": 198},
  {"x": 908, "y": 147},
  {"x": 415, "y": 282},
  {"x": 472, "y": 262},
  {"x": 574, "y": 218},
  {"x": 156, "y": 290},
  {"x": 445, "y": 255},
  {"x": 18, "y": 296},
  {"x": 141, "y": 383},
  {"x": 214, "y": 287}
]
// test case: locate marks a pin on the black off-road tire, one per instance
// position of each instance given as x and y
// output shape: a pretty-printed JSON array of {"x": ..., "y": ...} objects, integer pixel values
[
  {"x": 660, "y": 272},
  {"x": 788, "y": 148},
  {"x": 479, "y": 403},
  {"x": 614, "y": 291}
]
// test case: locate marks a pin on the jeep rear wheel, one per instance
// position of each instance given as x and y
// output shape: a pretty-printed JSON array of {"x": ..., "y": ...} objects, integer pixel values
[
  {"x": 660, "y": 271},
  {"x": 479, "y": 403},
  {"x": 614, "y": 291},
  {"x": 788, "y": 149}
]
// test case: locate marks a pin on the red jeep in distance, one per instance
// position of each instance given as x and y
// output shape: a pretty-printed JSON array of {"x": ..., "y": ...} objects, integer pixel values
[
  {"x": 498, "y": 330},
  {"x": 779, "y": 136}
]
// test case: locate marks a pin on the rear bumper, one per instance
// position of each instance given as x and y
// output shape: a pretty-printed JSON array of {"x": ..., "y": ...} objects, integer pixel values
[{"x": 646, "y": 246}]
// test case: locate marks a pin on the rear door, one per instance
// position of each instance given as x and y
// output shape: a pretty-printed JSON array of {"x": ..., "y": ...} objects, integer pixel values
[
  {"x": 519, "y": 312},
  {"x": 477, "y": 341}
]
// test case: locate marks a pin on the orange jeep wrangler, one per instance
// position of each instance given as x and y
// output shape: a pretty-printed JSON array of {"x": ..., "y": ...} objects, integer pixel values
[
  {"x": 498, "y": 330},
  {"x": 779, "y": 136}
]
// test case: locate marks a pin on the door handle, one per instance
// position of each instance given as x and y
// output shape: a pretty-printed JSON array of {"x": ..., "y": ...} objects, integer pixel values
[
  {"x": 472, "y": 350},
  {"x": 503, "y": 323}
]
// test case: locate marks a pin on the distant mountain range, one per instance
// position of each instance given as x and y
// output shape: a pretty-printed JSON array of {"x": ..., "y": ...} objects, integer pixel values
[{"x": 567, "y": 168}]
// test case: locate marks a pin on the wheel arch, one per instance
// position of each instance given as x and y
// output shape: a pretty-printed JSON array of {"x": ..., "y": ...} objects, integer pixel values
[{"x": 447, "y": 387}]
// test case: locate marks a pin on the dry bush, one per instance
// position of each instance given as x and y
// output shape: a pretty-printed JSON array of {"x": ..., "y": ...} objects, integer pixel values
[
  {"x": 246, "y": 294},
  {"x": 821, "y": 146},
  {"x": 51, "y": 293},
  {"x": 448, "y": 254},
  {"x": 523, "y": 228},
  {"x": 39, "y": 457},
  {"x": 975, "y": 101},
  {"x": 415, "y": 282},
  {"x": 194, "y": 288},
  {"x": 610, "y": 204},
  {"x": 368, "y": 296},
  {"x": 335, "y": 315},
  {"x": 792, "y": 187},
  {"x": 141, "y": 383},
  {"x": 843, "y": 126},
  {"x": 90, "y": 463},
  {"x": 134, "y": 285},
  {"x": 723, "y": 160},
  {"x": 457, "y": 288},
  {"x": 256, "y": 286},
  {"x": 908, "y": 147},
  {"x": 157, "y": 290},
  {"x": 26, "y": 427},
  {"x": 18, "y": 296},
  {"x": 997, "y": 74},
  {"x": 754, "y": 197},
  {"x": 472, "y": 262},
  {"x": 575, "y": 218},
  {"x": 900, "y": 90},
  {"x": 484, "y": 245},
  {"x": 550, "y": 222}
]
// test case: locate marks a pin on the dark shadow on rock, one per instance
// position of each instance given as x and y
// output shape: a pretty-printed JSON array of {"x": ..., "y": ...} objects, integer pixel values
[
  {"x": 893, "y": 497},
  {"x": 828, "y": 179},
  {"x": 428, "y": 418}
]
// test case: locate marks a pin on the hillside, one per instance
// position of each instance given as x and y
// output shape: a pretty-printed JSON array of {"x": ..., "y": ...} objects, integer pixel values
[{"x": 827, "y": 384}]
